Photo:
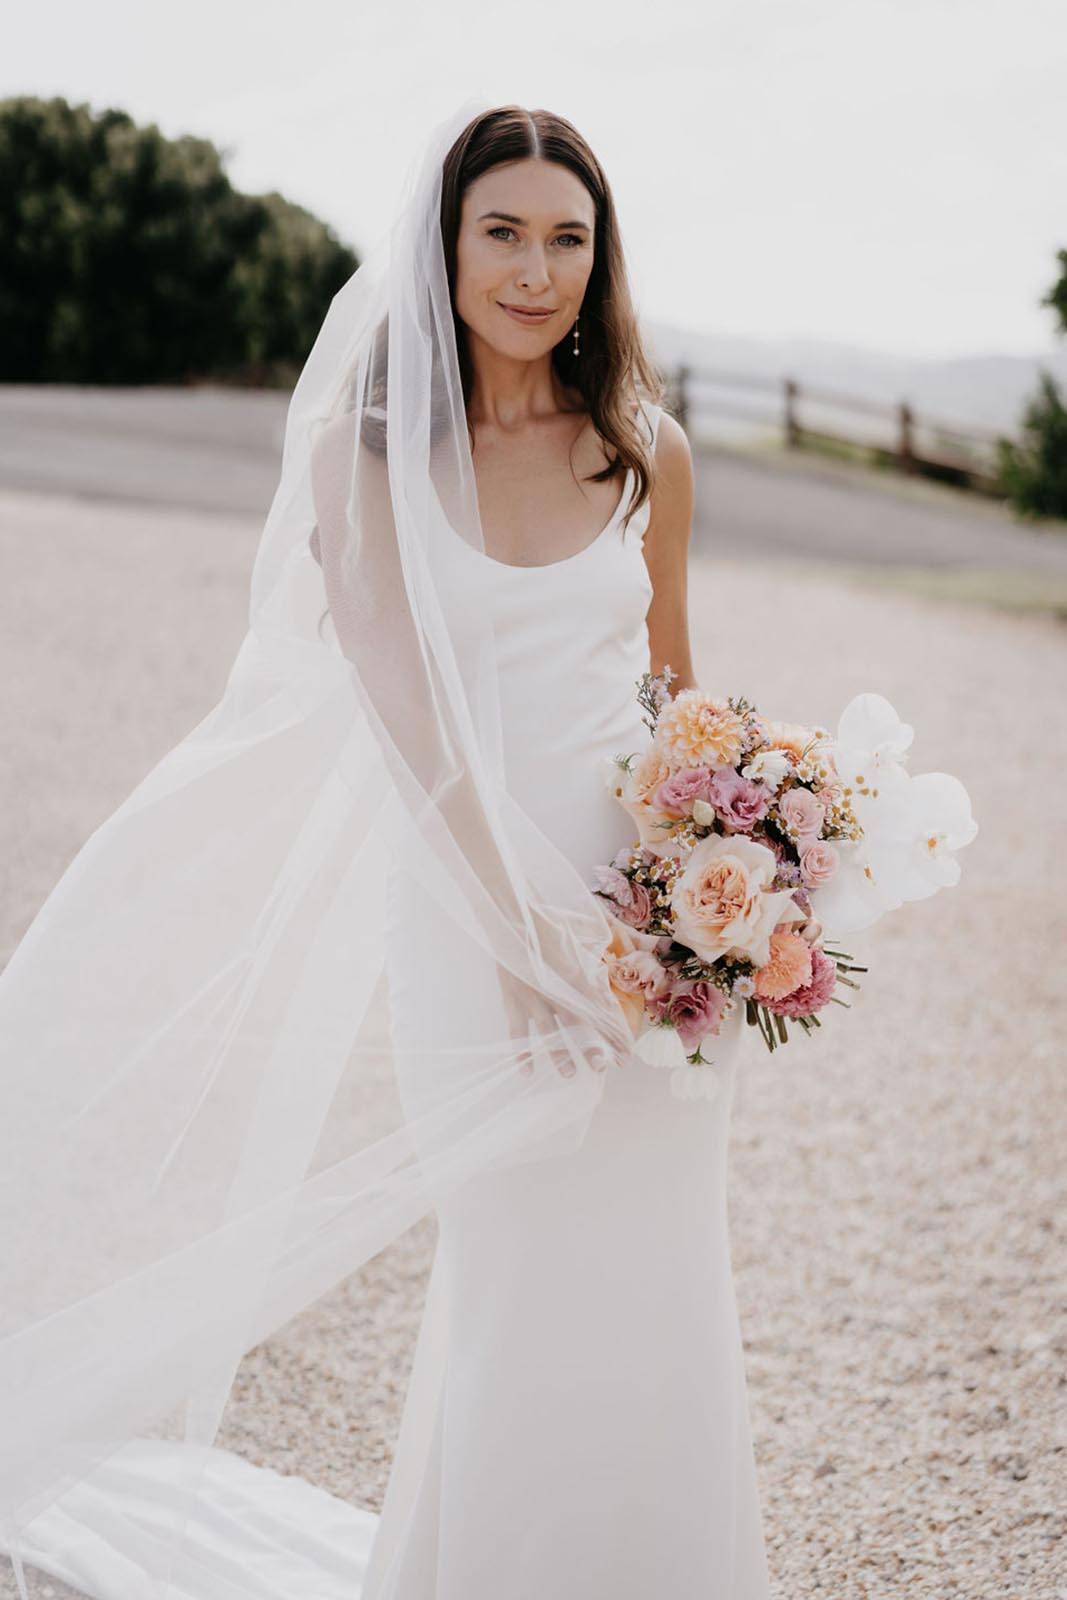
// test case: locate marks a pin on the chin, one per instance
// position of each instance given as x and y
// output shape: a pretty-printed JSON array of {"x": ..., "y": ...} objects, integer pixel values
[{"x": 519, "y": 349}]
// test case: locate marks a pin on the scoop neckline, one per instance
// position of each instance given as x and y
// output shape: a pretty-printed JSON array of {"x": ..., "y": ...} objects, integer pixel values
[{"x": 564, "y": 561}]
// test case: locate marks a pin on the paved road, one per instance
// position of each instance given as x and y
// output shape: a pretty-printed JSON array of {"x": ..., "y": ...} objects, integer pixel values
[
  {"x": 768, "y": 506},
  {"x": 194, "y": 449},
  {"x": 217, "y": 450}
]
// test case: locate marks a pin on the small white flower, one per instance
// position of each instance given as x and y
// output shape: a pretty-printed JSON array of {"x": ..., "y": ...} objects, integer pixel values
[
  {"x": 696, "y": 1081},
  {"x": 660, "y": 1046},
  {"x": 769, "y": 767},
  {"x": 745, "y": 986},
  {"x": 615, "y": 775}
]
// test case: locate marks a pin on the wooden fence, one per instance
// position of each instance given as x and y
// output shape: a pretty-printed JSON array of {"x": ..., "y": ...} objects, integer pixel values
[{"x": 893, "y": 435}]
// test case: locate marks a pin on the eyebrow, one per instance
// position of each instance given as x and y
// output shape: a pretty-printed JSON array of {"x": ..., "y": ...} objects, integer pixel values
[{"x": 521, "y": 221}]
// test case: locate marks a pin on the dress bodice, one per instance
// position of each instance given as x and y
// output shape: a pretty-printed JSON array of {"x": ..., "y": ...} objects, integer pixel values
[{"x": 572, "y": 642}]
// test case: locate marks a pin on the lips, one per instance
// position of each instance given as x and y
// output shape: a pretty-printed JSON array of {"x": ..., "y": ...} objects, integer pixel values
[{"x": 530, "y": 317}]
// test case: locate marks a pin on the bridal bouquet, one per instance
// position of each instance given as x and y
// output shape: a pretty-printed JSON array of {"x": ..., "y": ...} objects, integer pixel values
[{"x": 753, "y": 835}]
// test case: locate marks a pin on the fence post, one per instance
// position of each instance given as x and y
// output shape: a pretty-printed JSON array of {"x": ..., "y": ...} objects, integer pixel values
[
  {"x": 905, "y": 440},
  {"x": 681, "y": 395},
  {"x": 792, "y": 424}
]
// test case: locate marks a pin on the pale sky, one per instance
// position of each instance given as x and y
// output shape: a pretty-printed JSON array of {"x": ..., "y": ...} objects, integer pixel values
[{"x": 890, "y": 173}]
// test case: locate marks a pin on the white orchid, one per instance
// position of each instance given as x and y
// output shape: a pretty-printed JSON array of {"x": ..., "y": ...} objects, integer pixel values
[{"x": 911, "y": 826}]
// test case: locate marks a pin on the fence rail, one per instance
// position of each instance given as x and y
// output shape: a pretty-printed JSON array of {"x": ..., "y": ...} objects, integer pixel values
[{"x": 895, "y": 435}]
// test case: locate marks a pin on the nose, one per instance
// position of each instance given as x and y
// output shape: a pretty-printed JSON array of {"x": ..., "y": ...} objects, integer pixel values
[{"x": 534, "y": 271}]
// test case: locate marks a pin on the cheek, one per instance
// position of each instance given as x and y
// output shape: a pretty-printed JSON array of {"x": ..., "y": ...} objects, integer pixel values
[
  {"x": 572, "y": 273},
  {"x": 479, "y": 272}
]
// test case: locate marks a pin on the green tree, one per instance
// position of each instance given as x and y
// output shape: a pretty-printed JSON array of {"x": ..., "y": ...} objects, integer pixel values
[
  {"x": 127, "y": 257},
  {"x": 1057, "y": 295},
  {"x": 287, "y": 284},
  {"x": 1033, "y": 470}
]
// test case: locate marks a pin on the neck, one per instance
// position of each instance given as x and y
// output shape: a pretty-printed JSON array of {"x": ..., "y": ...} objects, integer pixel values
[{"x": 507, "y": 393}]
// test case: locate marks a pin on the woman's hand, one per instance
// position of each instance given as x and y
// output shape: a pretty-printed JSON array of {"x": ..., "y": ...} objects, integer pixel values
[{"x": 532, "y": 1018}]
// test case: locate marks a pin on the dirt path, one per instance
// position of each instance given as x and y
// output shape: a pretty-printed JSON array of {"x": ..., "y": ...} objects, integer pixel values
[{"x": 897, "y": 1188}]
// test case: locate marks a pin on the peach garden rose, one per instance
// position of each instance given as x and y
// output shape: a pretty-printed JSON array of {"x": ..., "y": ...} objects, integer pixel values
[
  {"x": 722, "y": 900},
  {"x": 637, "y": 793},
  {"x": 634, "y": 972}
]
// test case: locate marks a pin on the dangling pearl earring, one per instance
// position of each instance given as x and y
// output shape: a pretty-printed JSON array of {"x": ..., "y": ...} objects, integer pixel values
[{"x": 575, "y": 351}]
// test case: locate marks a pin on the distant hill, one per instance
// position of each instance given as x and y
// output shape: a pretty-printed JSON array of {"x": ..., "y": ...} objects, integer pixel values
[{"x": 985, "y": 391}]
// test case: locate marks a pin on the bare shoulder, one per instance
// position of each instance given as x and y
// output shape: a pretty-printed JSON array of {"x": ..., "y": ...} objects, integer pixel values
[
  {"x": 671, "y": 506},
  {"x": 673, "y": 452}
]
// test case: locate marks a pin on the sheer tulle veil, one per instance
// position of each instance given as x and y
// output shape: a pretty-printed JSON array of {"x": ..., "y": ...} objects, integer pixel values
[{"x": 206, "y": 1124}]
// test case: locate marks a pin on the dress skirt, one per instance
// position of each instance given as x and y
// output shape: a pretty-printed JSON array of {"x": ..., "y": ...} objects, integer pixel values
[{"x": 577, "y": 1423}]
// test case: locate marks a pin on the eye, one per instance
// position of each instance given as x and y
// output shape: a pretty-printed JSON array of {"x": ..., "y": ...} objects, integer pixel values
[{"x": 503, "y": 227}]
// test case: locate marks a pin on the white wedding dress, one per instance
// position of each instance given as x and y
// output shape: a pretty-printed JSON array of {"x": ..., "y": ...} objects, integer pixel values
[{"x": 576, "y": 1423}]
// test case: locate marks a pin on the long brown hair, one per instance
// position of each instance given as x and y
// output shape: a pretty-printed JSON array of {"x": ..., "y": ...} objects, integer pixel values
[{"x": 613, "y": 369}]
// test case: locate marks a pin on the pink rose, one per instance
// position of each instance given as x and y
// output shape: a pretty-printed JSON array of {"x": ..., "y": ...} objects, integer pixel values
[
  {"x": 818, "y": 863},
  {"x": 696, "y": 1010},
  {"x": 639, "y": 910},
  {"x": 613, "y": 883},
  {"x": 738, "y": 801},
  {"x": 630, "y": 901},
  {"x": 802, "y": 814},
  {"x": 676, "y": 794}
]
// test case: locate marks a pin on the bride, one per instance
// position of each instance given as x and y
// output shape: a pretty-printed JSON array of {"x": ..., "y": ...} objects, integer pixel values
[{"x": 336, "y": 964}]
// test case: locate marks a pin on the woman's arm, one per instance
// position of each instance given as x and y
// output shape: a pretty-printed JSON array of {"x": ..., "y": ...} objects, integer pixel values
[{"x": 667, "y": 554}]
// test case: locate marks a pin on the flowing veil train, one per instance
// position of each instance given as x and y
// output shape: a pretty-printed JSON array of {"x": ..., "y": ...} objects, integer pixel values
[{"x": 202, "y": 1130}]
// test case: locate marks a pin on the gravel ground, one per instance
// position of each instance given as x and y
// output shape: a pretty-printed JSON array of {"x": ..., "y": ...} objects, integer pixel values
[{"x": 897, "y": 1186}]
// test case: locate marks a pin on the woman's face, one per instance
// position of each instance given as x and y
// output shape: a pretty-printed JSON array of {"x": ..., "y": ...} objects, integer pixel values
[{"x": 526, "y": 238}]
